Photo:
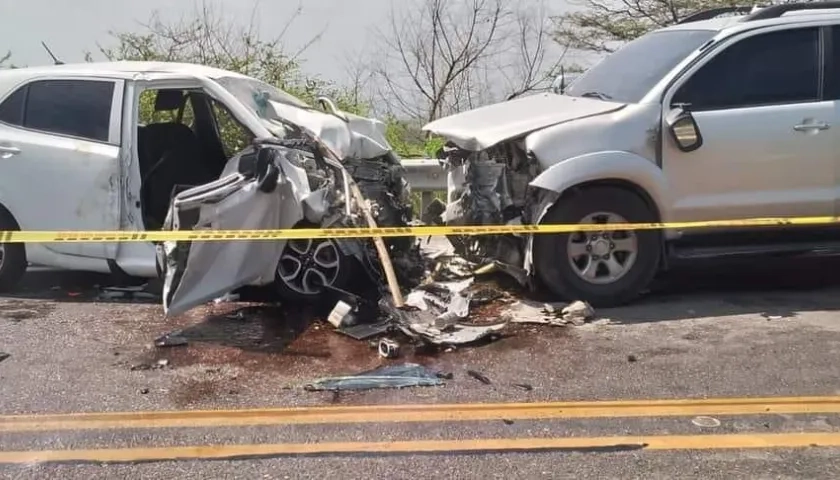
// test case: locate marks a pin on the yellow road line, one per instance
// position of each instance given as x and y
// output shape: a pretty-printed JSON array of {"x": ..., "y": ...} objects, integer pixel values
[
  {"x": 420, "y": 413},
  {"x": 221, "y": 452}
]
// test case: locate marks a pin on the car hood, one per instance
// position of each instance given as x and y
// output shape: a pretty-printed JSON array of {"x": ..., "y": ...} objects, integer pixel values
[
  {"x": 487, "y": 126},
  {"x": 348, "y": 135}
]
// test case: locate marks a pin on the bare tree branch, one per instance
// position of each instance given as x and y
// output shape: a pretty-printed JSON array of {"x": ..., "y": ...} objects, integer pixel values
[{"x": 443, "y": 56}]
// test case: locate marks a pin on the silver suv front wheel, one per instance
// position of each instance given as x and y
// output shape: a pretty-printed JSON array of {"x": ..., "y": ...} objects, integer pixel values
[{"x": 605, "y": 267}]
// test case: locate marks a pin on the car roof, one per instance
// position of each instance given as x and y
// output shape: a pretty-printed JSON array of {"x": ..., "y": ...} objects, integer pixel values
[
  {"x": 121, "y": 69},
  {"x": 735, "y": 23}
]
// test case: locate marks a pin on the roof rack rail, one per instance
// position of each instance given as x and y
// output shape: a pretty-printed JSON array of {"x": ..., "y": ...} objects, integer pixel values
[
  {"x": 715, "y": 12},
  {"x": 777, "y": 11}
]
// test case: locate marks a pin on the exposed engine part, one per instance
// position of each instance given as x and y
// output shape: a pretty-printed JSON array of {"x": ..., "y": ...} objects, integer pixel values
[
  {"x": 490, "y": 187},
  {"x": 382, "y": 182}
]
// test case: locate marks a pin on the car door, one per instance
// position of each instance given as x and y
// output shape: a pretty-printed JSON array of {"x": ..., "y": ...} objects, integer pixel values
[
  {"x": 60, "y": 158},
  {"x": 242, "y": 199},
  {"x": 768, "y": 137}
]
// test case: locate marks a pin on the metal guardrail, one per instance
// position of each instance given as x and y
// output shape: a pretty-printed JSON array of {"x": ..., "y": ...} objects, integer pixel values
[{"x": 426, "y": 176}]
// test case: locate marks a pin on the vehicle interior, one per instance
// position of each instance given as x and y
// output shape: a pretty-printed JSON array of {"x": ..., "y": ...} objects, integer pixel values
[{"x": 184, "y": 139}]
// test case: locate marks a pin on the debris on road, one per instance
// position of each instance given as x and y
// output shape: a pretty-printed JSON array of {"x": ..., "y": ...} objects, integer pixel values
[
  {"x": 478, "y": 376},
  {"x": 389, "y": 348},
  {"x": 172, "y": 339},
  {"x": 364, "y": 331},
  {"x": 341, "y": 315},
  {"x": 391, "y": 376},
  {"x": 4, "y": 356},
  {"x": 556, "y": 314},
  {"x": 138, "y": 292},
  {"x": 578, "y": 313},
  {"x": 524, "y": 386},
  {"x": 227, "y": 298}
]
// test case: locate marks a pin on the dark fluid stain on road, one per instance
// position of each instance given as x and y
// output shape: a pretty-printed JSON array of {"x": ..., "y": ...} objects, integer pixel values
[
  {"x": 194, "y": 391},
  {"x": 19, "y": 310}
]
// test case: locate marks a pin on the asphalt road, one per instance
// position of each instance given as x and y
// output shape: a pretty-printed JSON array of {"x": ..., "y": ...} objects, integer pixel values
[{"x": 731, "y": 330}]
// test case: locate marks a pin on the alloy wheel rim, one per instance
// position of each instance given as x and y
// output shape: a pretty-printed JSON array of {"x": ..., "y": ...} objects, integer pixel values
[
  {"x": 602, "y": 257},
  {"x": 307, "y": 265}
]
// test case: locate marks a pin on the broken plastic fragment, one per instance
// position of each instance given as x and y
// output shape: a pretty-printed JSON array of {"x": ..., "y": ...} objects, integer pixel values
[
  {"x": 364, "y": 331},
  {"x": 458, "y": 334},
  {"x": 392, "y": 376},
  {"x": 341, "y": 314},
  {"x": 173, "y": 339},
  {"x": 578, "y": 312}
]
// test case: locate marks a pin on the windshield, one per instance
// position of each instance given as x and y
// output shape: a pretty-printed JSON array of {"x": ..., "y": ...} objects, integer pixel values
[
  {"x": 249, "y": 90},
  {"x": 628, "y": 74}
]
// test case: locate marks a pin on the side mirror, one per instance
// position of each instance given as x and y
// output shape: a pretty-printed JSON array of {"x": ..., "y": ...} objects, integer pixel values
[
  {"x": 558, "y": 86},
  {"x": 684, "y": 130}
]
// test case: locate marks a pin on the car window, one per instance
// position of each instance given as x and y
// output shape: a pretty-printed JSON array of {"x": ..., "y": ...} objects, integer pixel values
[
  {"x": 80, "y": 108},
  {"x": 234, "y": 135},
  {"x": 11, "y": 110},
  {"x": 772, "y": 68},
  {"x": 832, "y": 74},
  {"x": 148, "y": 115},
  {"x": 628, "y": 74}
]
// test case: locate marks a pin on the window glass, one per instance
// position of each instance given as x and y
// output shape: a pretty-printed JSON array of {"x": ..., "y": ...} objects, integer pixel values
[
  {"x": 234, "y": 135},
  {"x": 148, "y": 115},
  {"x": 629, "y": 73},
  {"x": 832, "y": 74},
  {"x": 11, "y": 110},
  {"x": 81, "y": 108},
  {"x": 772, "y": 68}
]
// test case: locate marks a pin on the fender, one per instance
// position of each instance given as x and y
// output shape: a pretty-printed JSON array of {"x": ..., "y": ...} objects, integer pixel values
[{"x": 608, "y": 165}]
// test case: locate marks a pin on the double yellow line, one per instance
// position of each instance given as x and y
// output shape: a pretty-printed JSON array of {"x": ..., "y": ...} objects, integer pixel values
[{"x": 422, "y": 413}]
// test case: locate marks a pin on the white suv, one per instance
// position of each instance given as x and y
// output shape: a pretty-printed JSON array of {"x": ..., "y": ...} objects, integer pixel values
[
  {"x": 129, "y": 145},
  {"x": 716, "y": 118}
]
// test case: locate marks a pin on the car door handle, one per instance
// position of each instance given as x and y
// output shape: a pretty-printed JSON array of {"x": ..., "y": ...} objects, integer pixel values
[
  {"x": 804, "y": 127},
  {"x": 7, "y": 151}
]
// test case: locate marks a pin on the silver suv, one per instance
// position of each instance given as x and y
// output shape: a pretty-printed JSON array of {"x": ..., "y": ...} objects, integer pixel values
[{"x": 716, "y": 118}]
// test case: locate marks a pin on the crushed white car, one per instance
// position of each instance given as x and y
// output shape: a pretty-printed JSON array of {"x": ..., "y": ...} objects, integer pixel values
[{"x": 147, "y": 145}]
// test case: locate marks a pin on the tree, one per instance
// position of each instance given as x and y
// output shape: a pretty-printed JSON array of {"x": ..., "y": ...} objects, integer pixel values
[
  {"x": 444, "y": 56},
  {"x": 210, "y": 38},
  {"x": 601, "y": 26}
]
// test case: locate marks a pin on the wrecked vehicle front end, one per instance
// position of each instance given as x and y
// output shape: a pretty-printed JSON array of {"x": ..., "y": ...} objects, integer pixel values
[
  {"x": 286, "y": 182},
  {"x": 491, "y": 172}
]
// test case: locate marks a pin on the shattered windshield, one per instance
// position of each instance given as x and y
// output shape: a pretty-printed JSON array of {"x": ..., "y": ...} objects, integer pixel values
[
  {"x": 248, "y": 90},
  {"x": 629, "y": 73}
]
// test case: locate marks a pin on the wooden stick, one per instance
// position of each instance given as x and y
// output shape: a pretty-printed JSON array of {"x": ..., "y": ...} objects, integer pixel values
[{"x": 384, "y": 256}]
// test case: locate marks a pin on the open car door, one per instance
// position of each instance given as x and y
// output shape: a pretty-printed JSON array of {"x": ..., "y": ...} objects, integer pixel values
[{"x": 259, "y": 189}]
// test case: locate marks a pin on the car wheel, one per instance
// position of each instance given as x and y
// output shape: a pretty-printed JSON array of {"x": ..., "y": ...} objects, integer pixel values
[
  {"x": 604, "y": 268},
  {"x": 12, "y": 256},
  {"x": 305, "y": 266}
]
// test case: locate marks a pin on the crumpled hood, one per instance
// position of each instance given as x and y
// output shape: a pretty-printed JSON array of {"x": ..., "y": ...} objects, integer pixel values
[
  {"x": 358, "y": 137},
  {"x": 487, "y": 126}
]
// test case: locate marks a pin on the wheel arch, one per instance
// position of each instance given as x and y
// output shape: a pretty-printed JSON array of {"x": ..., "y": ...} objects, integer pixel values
[{"x": 610, "y": 168}]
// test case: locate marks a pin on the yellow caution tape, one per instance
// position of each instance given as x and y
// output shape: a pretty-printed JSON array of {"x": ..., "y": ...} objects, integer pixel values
[{"x": 306, "y": 233}]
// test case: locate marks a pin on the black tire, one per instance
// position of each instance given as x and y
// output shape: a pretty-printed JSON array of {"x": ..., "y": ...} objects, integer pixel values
[
  {"x": 555, "y": 270},
  {"x": 347, "y": 264},
  {"x": 13, "y": 264}
]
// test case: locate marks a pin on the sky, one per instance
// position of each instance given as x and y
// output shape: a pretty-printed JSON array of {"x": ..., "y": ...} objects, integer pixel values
[{"x": 71, "y": 27}]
